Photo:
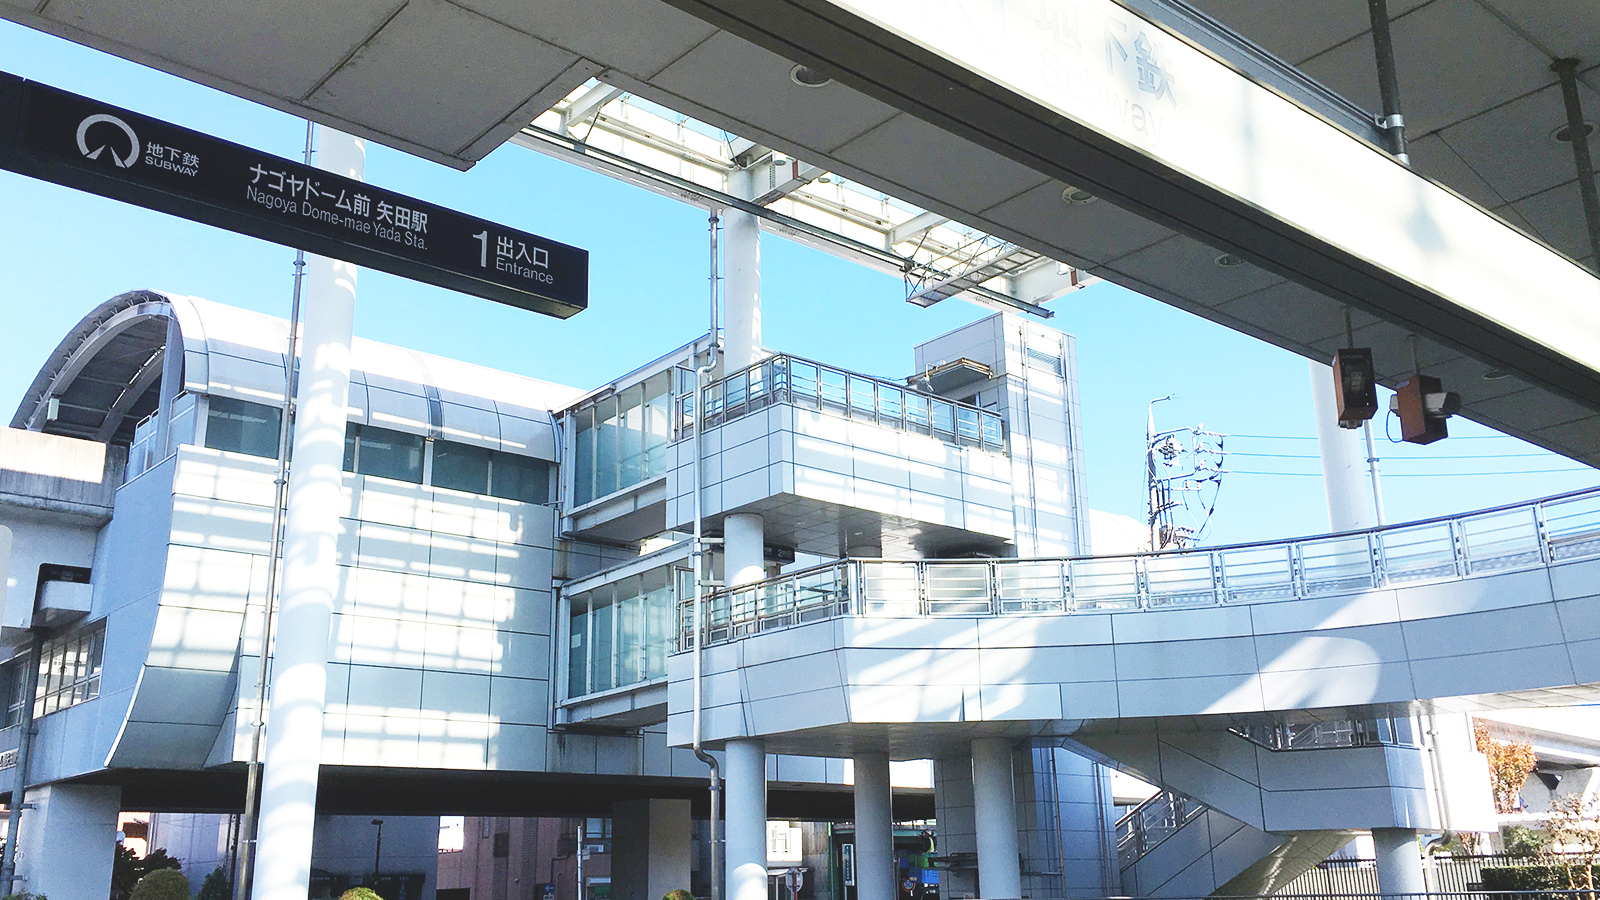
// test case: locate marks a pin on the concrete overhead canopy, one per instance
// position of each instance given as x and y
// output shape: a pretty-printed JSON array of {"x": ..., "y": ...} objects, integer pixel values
[{"x": 1265, "y": 205}]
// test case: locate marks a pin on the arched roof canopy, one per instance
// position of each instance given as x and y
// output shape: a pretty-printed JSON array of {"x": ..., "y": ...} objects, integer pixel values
[{"x": 106, "y": 375}]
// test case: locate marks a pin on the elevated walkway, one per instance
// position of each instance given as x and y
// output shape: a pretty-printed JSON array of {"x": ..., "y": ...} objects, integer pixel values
[{"x": 1493, "y": 608}]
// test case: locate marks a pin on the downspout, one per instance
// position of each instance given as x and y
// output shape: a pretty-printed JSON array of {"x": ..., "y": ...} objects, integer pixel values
[
  {"x": 19, "y": 784},
  {"x": 697, "y": 556}
]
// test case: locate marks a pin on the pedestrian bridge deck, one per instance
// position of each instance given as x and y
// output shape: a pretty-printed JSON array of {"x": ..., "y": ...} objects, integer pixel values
[{"x": 1491, "y": 608}]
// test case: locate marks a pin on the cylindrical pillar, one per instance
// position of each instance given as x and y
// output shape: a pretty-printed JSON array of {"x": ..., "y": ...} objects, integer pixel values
[
  {"x": 746, "y": 801},
  {"x": 1399, "y": 862},
  {"x": 875, "y": 868},
  {"x": 741, "y": 249},
  {"x": 995, "y": 813},
  {"x": 744, "y": 546},
  {"x": 310, "y": 565},
  {"x": 1343, "y": 460}
]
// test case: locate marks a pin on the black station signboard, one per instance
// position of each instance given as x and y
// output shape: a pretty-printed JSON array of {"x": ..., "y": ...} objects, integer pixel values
[{"x": 81, "y": 143}]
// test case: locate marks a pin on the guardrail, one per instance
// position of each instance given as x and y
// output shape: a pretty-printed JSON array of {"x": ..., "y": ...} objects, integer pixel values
[
  {"x": 1151, "y": 822},
  {"x": 790, "y": 379},
  {"x": 1528, "y": 535}
]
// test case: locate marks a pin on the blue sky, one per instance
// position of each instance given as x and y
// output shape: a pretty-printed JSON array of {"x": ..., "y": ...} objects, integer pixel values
[{"x": 63, "y": 251}]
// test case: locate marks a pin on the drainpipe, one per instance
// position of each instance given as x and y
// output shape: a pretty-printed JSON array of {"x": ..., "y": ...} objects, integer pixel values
[
  {"x": 19, "y": 784},
  {"x": 697, "y": 555}
]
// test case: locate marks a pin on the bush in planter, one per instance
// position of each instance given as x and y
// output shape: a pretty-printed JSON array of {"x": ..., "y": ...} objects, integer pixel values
[
  {"x": 679, "y": 894},
  {"x": 162, "y": 884},
  {"x": 360, "y": 893}
]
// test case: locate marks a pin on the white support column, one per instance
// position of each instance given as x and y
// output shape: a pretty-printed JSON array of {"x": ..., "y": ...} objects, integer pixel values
[
  {"x": 746, "y": 811},
  {"x": 741, "y": 248},
  {"x": 650, "y": 848},
  {"x": 995, "y": 811},
  {"x": 171, "y": 384},
  {"x": 69, "y": 840},
  {"x": 310, "y": 565},
  {"x": 1344, "y": 475},
  {"x": 875, "y": 869},
  {"x": 744, "y": 549},
  {"x": 1399, "y": 861}
]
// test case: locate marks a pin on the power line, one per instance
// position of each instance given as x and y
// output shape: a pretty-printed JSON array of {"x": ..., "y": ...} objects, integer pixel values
[
  {"x": 1425, "y": 474},
  {"x": 1406, "y": 458},
  {"x": 1301, "y": 437}
]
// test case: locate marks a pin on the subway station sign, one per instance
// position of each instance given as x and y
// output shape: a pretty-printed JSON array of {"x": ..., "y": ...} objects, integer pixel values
[{"x": 81, "y": 143}]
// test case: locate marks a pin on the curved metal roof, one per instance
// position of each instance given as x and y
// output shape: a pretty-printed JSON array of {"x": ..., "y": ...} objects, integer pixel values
[{"x": 106, "y": 375}]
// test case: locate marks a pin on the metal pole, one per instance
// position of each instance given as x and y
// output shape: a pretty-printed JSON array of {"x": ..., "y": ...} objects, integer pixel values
[
  {"x": 1372, "y": 476},
  {"x": 697, "y": 555},
  {"x": 1393, "y": 123},
  {"x": 19, "y": 783},
  {"x": 1567, "y": 71},
  {"x": 377, "y": 851},
  {"x": 246, "y": 835}
]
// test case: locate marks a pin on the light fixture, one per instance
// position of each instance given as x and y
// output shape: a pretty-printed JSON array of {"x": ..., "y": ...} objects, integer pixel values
[
  {"x": 1076, "y": 196},
  {"x": 1229, "y": 261},
  {"x": 1563, "y": 133},
  {"x": 805, "y": 76},
  {"x": 1495, "y": 374}
]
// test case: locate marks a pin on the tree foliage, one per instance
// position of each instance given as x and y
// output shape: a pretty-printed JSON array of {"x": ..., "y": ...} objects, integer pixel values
[
  {"x": 1575, "y": 834},
  {"x": 162, "y": 884},
  {"x": 127, "y": 869},
  {"x": 360, "y": 893},
  {"x": 216, "y": 885},
  {"x": 1510, "y": 763}
]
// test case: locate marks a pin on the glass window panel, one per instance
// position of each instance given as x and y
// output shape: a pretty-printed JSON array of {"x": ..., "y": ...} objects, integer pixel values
[
  {"x": 713, "y": 403},
  {"x": 460, "y": 467},
  {"x": 917, "y": 410},
  {"x": 608, "y": 444},
  {"x": 803, "y": 381},
  {"x": 737, "y": 387},
  {"x": 760, "y": 381},
  {"x": 863, "y": 399},
  {"x": 967, "y": 423},
  {"x": 514, "y": 477},
  {"x": 630, "y": 631},
  {"x": 993, "y": 434},
  {"x": 943, "y": 415},
  {"x": 583, "y": 458},
  {"x": 630, "y": 450},
  {"x": 578, "y": 653},
  {"x": 383, "y": 453},
  {"x": 351, "y": 430},
  {"x": 832, "y": 386},
  {"x": 891, "y": 402},
  {"x": 659, "y": 626},
  {"x": 242, "y": 427},
  {"x": 658, "y": 424},
  {"x": 601, "y": 671}
]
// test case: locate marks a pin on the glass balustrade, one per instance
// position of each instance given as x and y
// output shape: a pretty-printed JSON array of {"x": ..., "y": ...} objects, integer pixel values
[
  {"x": 810, "y": 385},
  {"x": 1511, "y": 538}
]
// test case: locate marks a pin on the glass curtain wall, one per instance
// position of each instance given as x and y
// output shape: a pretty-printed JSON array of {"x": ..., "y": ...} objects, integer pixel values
[
  {"x": 621, "y": 633},
  {"x": 623, "y": 440}
]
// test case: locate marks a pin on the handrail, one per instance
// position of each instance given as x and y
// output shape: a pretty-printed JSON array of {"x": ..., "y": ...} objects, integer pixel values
[
  {"x": 1156, "y": 818},
  {"x": 803, "y": 382},
  {"x": 1512, "y": 537}
]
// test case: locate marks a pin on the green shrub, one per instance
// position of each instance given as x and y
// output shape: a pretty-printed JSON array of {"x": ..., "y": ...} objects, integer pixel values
[
  {"x": 360, "y": 893},
  {"x": 24, "y": 895},
  {"x": 1532, "y": 878},
  {"x": 679, "y": 894},
  {"x": 1520, "y": 840},
  {"x": 216, "y": 886},
  {"x": 162, "y": 884}
]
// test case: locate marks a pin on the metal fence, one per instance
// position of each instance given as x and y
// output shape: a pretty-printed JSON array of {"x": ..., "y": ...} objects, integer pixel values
[
  {"x": 789, "y": 379},
  {"x": 1507, "y": 538},
  {"x": 1457, "y": 875},
  {"x": 1151, "y": 822}
]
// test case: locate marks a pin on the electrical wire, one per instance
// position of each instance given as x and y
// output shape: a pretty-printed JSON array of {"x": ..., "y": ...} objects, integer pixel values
[{"x": 1427, "y": 474}]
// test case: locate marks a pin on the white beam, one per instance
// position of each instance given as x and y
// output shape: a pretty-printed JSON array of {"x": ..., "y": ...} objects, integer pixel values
[
  {"x": 915, "y": 227},
  {"x": 593, "y": 99},
  {"x": 787, "y": 178},
  {"x": 1044, "y": 282}
]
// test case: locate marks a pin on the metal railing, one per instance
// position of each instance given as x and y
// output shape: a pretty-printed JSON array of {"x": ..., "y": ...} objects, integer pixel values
[
  {"x": 790, "y": 379},
  {"x": 1335, "y": 734},
  {"x": 1528, "y": 535},
  {"x": 1151, "y": 822}
]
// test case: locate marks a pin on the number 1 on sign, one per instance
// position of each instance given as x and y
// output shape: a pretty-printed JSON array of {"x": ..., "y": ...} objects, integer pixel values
[{"x": 483, "y": 248}]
